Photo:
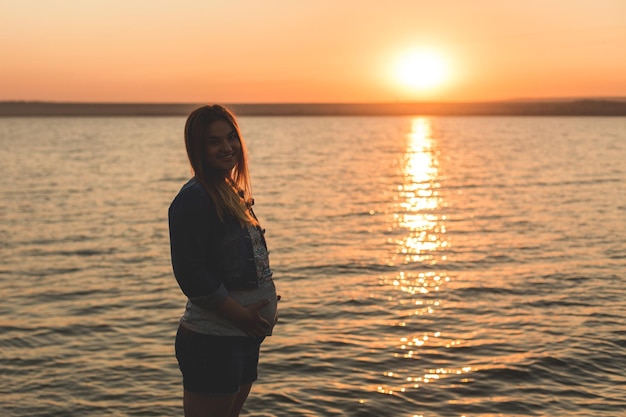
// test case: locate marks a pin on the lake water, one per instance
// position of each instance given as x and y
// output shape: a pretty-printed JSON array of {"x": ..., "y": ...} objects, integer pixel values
[{"x": 429, "y": 266}]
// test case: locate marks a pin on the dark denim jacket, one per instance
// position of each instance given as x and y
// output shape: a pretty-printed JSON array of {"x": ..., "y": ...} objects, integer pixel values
[{"x": 209, "y": 257}]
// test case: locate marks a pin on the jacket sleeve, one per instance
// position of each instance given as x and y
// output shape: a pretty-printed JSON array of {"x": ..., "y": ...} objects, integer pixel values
[{"x": 189, "y": 227}]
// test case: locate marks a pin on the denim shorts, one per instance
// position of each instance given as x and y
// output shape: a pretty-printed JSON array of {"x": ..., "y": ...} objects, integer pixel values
[{"x": 216, "y": 365}]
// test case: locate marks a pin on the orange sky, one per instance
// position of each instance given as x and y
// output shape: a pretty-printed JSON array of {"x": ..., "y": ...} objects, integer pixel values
[{"x": 307, "y": 50}]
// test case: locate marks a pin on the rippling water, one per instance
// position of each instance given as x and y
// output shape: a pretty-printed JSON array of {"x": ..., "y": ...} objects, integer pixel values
[{"x": 428, "y": 266}]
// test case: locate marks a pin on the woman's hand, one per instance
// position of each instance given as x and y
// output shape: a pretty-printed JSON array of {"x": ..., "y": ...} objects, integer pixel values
[
  {"x": 278, "y": 297},
  {"x": 247, "y": 318}
]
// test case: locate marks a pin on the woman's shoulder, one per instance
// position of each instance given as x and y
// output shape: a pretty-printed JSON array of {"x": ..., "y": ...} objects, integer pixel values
[
  {"x": 193, "y": 186},
  {"x": 192, "y": 196}
]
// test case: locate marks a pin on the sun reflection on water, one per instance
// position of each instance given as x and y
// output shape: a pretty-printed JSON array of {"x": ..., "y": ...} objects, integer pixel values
[
  {"x": 419, "y": 197},
  {"x": 423, "y": 245}
]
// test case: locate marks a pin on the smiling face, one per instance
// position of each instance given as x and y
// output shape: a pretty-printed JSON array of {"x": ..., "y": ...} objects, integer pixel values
[{"x": 222, "y": 147}]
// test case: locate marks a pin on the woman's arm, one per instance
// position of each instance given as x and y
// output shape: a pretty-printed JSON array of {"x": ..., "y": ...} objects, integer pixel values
[{"x": 189, "y": 239}]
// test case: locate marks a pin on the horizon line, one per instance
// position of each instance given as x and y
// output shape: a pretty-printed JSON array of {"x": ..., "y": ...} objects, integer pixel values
[
  {"x": 480, "y": 101},
  {"x": 545, "y": 107}
]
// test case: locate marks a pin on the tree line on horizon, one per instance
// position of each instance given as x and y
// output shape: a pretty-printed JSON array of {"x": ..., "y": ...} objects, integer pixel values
[{"x": 579, "y": 107}]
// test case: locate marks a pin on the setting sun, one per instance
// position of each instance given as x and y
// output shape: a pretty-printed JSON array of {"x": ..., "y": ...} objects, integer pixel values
[{"x": 421, "y": 70}]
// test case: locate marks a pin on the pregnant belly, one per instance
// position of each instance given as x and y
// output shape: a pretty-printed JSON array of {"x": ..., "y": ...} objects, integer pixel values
[{"x": 264, "y": 293}]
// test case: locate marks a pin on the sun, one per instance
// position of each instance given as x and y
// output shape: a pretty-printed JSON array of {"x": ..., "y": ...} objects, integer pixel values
[{"x": 422, "y": 70}]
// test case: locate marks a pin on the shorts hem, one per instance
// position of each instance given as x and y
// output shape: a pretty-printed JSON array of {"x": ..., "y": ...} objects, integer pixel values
[{"x": 212, "y": 394}]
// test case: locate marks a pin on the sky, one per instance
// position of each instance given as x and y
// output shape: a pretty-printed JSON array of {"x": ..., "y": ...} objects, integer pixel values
[{"x": 311, "y": 51}]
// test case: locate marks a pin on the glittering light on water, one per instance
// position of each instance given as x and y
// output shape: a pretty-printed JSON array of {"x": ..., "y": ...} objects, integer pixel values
[
  {"x": 403, "y": 383},
  {"x": 419, "y": 197},
  {"x": 417, "y": 215}
]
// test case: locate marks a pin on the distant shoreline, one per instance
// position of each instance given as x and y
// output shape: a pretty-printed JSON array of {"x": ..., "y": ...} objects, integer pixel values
[{"x": 581, "y": 107}]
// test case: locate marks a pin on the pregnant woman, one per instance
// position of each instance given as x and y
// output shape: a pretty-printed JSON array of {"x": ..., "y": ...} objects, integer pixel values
[{"x": 220, "y": 260}]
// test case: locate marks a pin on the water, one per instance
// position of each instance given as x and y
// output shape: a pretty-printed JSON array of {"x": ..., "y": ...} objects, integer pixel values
[{"x": 428, "y": 266}]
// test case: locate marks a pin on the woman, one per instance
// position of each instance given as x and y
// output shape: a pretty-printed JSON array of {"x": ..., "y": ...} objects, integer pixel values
[{"x": 220, "y": 261}]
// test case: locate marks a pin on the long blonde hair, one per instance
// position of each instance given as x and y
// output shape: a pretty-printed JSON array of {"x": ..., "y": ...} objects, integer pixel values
[{"x": 231, "y": 194}]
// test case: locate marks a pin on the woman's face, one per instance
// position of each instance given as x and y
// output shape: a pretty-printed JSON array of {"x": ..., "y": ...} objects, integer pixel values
[{"x": 222, "y": 147}]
